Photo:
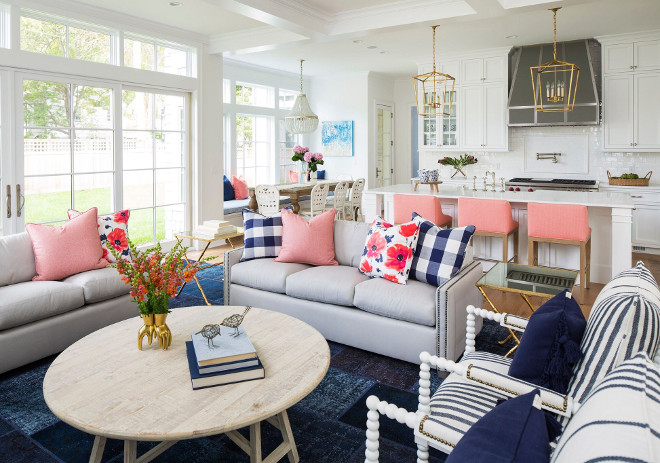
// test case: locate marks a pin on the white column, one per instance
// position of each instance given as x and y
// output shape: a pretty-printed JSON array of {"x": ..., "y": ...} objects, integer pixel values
[{"x": 621, "y": 240}]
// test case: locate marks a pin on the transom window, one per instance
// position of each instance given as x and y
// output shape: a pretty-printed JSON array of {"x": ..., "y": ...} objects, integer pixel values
[
  {"x": 255, "y": 95},
  {"x": 153, "y": 55},
  {"x": 70, "y": 40},
  {"x": 287, "y": 98}
]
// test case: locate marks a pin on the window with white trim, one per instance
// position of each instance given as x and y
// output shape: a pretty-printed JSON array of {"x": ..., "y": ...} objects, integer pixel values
[
  {"x": 287, "y": 141},
  {"x": 287, "y": 98},
  {"x": 254, "y": 148},
  {"x": 255, "y": 95},
  {"x": 155, "y": 55},
  {"x": 51, "y": 35},
  {"x": 4, "y": 26}
]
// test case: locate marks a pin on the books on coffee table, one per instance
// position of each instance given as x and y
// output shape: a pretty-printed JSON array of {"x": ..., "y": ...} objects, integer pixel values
[
  {"x": 235, "y": 375},
  {"x": 226, "y": 348}
]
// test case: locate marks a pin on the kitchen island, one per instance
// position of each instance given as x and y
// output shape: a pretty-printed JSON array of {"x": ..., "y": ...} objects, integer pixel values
[{"x": 610, "y": 219}]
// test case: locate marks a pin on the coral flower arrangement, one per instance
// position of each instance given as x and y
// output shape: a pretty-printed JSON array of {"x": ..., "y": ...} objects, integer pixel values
[
  {"x": 458, "y": 163},
  {"x": 154, "y": 277}
]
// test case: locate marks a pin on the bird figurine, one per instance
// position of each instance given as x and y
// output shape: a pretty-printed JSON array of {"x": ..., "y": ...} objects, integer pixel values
[
  {"x": 234, "y": 321},
  {"x": 210, "y": 332}
]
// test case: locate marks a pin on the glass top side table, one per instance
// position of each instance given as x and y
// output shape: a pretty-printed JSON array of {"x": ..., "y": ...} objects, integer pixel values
[
  {"x": 189, "y": 235},
  {"x": 527, "y": 281}
]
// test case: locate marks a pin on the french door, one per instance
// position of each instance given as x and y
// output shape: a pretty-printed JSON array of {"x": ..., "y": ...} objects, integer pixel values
[{"x": 74, "y": 144}]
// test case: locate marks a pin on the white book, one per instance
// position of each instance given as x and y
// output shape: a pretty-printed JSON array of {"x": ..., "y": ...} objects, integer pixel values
[
  {"x": 216, "y": 223},
  {"x": 216, "y": 230},
  {"x": 225, "y": 348}
]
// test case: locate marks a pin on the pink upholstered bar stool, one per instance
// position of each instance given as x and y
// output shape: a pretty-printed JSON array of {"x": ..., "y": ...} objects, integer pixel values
[
  {"x": 560, "y": 224},
  {"x": 491, "y": 217},
  {"x": 428, "y": 207}
]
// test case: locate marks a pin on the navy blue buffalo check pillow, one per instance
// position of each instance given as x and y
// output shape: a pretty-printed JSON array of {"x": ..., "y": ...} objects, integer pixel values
[
  {"x": 262, "y": 235},
  {"x": 440, "y": 252}
]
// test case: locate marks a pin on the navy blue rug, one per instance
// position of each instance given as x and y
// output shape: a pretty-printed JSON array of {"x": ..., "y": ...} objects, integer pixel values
[{"x": 328, "y": 425}]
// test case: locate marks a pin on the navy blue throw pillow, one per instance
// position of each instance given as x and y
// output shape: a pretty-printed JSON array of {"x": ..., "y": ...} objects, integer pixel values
[
  {"x": 515, "y": 431},
  {"x": 550, "y": 346},
  {"x": 229, "y": 190},
  {"x": 320, "y": 174}
]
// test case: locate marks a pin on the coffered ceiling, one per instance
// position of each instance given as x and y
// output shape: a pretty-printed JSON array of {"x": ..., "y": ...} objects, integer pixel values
[{"x": 385, "y": 36}]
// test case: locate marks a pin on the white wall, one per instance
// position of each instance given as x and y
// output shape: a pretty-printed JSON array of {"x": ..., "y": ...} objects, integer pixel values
[
  {"x": 343, "y": 98},
  {"x": 511, "y": 163},
  {"x": 404, "y": 98}
]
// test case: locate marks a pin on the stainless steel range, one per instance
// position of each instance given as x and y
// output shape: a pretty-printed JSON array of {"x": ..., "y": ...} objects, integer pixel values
[{"x": 565, "y": 184}]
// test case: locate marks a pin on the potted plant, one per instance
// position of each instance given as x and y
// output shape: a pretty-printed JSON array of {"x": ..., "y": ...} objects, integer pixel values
[
  {"x": 458, "y": 163},
  {"x": 313, "y": 160},
  {"x": 154, "y": 277}
]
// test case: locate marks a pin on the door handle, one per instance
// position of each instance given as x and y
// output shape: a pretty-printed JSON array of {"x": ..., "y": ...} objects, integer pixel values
[
  {"x": 9, "y": 201},
  {"x": 377, "y": 172},
  {"x": 20, "y": 201}
]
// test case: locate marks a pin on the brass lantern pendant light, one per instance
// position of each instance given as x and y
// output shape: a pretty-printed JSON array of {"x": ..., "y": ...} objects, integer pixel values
[
  {"x": 301, "y": 119},
  {"x": 555, "y": 82},
  {"x": 434, "y": 90}
]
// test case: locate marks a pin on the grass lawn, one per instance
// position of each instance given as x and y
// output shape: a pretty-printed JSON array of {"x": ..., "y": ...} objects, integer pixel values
[{"x": 48, "y": 207}]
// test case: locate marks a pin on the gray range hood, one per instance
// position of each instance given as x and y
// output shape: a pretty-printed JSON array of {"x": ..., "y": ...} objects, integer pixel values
[{"x": 585, "y": 54}]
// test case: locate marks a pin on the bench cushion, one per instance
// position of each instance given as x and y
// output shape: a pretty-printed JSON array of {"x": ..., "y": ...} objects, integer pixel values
[
  {"x": 329, "y": 284},
  {"x": 27, "y": 302},
  {"x": 99, "y": 285},
  {"x": 264, "y": 274},
  {"x": 413, "y": 302}
]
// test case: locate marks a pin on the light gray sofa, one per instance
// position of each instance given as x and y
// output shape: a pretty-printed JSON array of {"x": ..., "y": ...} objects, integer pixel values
[
  {"x": 350, "y": 308},
  {"x": 40, "y": 318}
]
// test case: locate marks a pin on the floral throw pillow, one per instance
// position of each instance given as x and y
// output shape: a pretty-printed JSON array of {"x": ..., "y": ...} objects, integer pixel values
[
  {"x": 113, "y": 231},
  {"x": 389, "y": 249}
]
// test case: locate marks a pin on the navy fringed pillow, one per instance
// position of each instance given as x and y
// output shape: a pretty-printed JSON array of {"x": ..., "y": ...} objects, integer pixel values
[
  {"x": 515, "y": 431},
  {"x": 550, "y": 346},
  {"x": 228, "y": 189}
]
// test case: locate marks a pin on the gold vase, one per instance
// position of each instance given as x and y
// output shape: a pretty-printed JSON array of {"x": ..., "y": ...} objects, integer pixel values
[
  {"x": 146, "y": 330},
  {"x": 163, "y": 333}
]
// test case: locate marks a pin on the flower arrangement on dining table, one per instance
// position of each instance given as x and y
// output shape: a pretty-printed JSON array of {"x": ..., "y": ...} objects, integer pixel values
[
  {"x": 154, "y": 277},
  {"x": 458, "y": 163},
  {"x": 304, "y": 155}
]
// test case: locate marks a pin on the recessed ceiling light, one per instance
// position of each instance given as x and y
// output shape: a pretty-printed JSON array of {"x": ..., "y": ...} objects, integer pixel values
[
  {"x": 511, "y": 37},
  {"x": 176, "y": 3},
  {"x": 383, "y": 52},
  {"x": 357, "y": 41},
  {"x": 371, "y": 47}
]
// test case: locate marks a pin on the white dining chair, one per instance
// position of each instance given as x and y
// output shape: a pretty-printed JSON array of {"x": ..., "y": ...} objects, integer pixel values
[
  {"x": 339, "y": 200},
  {"x": 319, "y": 198},
  {"x": 268, "y": 199},
  {"x": 355, "y": 199}
]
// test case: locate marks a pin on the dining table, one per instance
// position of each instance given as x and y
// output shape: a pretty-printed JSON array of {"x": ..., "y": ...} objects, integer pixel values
[{"x": 295, "y": 190}]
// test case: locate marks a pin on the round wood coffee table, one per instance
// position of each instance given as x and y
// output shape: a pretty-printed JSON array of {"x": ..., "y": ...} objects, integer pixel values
[{"x": 103, "y": 385}]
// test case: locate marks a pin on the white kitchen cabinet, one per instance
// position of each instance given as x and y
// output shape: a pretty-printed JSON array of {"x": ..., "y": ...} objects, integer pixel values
[
  {"x": 639, "y": 55},
  {"x": 478, "y": 120},
  {"x": 646, "y": 225},
  {"x": 631, "y": 94},
  {"x": 647, "y": 112},
  {"x": 618, "y": 113},
  {"x": 483, "y": 121}
]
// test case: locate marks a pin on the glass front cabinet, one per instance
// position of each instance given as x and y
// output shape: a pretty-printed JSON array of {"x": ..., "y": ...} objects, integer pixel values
[{"x": 440, "y": 131}]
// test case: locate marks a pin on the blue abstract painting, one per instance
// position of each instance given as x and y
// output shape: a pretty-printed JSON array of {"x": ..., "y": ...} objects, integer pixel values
[{"x": 337, "y": 138}]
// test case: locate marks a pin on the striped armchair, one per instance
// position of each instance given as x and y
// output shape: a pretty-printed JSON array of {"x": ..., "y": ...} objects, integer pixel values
[{"x": 624, "y": 321}]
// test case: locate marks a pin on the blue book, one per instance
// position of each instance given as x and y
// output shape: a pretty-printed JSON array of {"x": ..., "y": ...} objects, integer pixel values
[
  {"x": 238, "y": 375},
  {"x": 226, "y": 348}
]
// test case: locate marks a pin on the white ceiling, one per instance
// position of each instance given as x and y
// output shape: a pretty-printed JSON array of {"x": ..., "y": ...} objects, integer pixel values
[{"x": 276, "y": 33}]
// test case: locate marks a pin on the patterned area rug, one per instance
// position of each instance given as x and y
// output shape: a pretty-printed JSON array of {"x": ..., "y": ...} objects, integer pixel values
[{"x": 328, "y": 425}]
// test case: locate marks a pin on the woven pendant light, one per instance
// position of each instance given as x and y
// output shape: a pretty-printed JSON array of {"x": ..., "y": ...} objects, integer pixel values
[{"x": 301, "y": 119}]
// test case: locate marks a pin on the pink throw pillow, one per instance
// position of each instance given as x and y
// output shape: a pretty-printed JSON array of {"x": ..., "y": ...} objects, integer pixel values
[
  {"x": 389, "y": 249},
  {"x": 240, "y": 187},
  {"x": 113, "y": 231},
  {"x": 306, "y": 242},
  {"x": 61, "y": 251},
  {"x": 293, "y": 176}
]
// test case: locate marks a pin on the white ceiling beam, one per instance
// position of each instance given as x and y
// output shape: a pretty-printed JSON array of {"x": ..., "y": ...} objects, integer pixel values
[
  {"x": 398, "y": 14},
  {"x": 508, "y": 4},
  {"x": 254, "y": 40},
  {"x": 290, "y": 15}
]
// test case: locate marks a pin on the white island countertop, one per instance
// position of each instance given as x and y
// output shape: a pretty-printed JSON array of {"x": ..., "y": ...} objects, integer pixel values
[{"x": 607, "y": 199}]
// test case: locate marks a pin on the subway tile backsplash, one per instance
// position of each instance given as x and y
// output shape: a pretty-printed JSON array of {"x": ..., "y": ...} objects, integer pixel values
[{"x": 511, "y": 164}]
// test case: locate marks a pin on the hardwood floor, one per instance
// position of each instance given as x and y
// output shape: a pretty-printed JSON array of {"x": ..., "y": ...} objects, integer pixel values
[{"x": 507, "y": 302}]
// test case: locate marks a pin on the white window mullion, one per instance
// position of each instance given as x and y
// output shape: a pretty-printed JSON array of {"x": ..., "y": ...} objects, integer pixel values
[{"x": 118, "y": 137}]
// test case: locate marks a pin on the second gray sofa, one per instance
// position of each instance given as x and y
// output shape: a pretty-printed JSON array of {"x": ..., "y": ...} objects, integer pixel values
[{"x": 350, "y": 308}]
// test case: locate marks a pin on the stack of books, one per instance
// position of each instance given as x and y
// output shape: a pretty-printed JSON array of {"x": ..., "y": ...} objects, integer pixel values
[
  {"x": 231, "y": 359},
  {"x": 214, "y": 229}
]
